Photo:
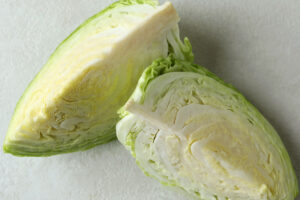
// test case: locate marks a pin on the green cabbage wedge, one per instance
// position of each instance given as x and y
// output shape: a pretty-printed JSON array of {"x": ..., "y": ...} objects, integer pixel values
[
  {"x": 72, "y": 103},
  {"x": 187, "y": 128}
]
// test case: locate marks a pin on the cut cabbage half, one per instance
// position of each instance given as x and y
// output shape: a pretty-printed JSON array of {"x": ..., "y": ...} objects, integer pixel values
[
  {"x": 187, "y": 128},
  {"x": 72, "y": 103}
]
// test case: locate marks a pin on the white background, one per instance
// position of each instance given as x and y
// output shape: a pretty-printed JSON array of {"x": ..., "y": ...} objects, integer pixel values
[{"x": 255, "y": 45}]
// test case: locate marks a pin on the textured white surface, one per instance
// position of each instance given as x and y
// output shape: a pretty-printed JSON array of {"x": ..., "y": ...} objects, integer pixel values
[{"x": 255, "y": 45}]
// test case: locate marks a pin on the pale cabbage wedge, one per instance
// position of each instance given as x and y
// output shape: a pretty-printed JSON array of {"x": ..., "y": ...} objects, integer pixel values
[
  {"x": 72, "y": 103},
  {"x": 187, "y": 128}
]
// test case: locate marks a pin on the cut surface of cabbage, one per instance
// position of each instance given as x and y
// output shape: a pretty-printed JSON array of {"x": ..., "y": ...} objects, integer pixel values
[
  {"x": 72, "y": 103},
  {"x": 187, "y": 128}
]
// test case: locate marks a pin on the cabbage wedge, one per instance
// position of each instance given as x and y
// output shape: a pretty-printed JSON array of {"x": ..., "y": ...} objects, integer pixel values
[
  {"x": 72, "y": 103},
  {"x": 187, "y": 128}
]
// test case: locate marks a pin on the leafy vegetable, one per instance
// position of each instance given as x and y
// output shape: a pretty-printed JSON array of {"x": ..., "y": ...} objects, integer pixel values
[
  {"x": 72, "y": 103},
  {"x": 188, "y": 128}
]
